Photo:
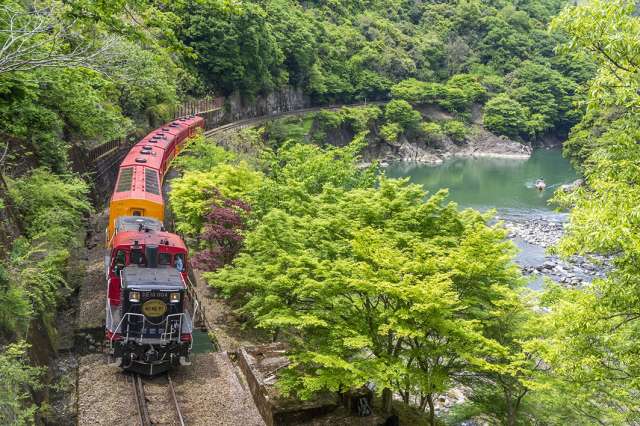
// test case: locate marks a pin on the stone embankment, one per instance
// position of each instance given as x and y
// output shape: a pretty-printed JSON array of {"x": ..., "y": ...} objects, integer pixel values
[{"x": 481, "y": 143}]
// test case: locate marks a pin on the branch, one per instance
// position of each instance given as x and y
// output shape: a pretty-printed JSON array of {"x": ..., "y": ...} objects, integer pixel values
[{"x": 35, "y": 40}]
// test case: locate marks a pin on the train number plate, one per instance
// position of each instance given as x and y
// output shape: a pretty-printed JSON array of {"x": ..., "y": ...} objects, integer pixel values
[{"x": 154, "y": 308}]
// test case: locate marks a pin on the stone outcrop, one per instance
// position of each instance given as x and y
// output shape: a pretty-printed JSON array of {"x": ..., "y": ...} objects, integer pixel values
[{"x": 286, "y": 99}]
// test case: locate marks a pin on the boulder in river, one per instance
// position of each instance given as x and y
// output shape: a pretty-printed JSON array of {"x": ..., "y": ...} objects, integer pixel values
[{"x": 572, "y": 186}]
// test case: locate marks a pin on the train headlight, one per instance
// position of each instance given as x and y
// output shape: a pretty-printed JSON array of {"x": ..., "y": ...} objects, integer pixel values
[
  {"x": 174, "y": 297},
  {"x": 134, "y": 296}
]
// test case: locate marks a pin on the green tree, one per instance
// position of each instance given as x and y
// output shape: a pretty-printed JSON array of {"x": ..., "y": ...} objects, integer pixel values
[
  {"x": 193, "y": 194},
  {"x": 235, "y": 46},
  {"x": 366, "y": 271},
  {"x": 505, "y": 116},
  {"x": 401, "y": 112},
  {"x": 594, "y": 332}
]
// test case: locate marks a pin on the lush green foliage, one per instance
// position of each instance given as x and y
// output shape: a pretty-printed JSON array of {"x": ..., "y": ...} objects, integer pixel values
[
  {"x": 17, "y": 374},
  {"x": 593, "y": 343},
  {"x": 51, "y": 210},
  {"x": 342, "y": 264},
  {"x": 505, "y": 116},
  {"x": 124, "y": 78},
  {"x": 193, "y": 194},
  {"x": 33, "y": 279}
]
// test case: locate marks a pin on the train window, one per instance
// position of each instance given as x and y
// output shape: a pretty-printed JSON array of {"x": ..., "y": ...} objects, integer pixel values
[
  {"x": 164, "y": 259},
  {"x": 137, "y": 258},
  {"x": 136, "y": 213},
  {"x": 124, "y": 182},
  {"x": 180, "y": 262},
  {"x": 119, "y": 261},
  {"x": 151, "y": 181}
]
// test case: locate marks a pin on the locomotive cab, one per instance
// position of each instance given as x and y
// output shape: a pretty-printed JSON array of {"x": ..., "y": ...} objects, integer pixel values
[
  {"x": 149, "y": 331},
  {"x": 129, "y": 247}
]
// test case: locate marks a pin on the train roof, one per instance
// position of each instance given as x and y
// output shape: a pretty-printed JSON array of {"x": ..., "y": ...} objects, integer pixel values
[
  {"x": 163, "y": 140},
  {"x": 152, "y": 157},
  {"x": 154, "y": 278},
  {"x": 158, "y": 238},
  {"x": 138, "y": 182},
  {"x": 138, "y": 223}
]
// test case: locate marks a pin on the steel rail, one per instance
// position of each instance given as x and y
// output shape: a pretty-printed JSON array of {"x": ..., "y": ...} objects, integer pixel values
[
  {"x": 142, "y": 407},
  {"x": 141, "y": 402},
  {"x": 172, "y": 392}
]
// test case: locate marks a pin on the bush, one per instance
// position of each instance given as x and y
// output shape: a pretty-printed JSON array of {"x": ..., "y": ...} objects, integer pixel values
[
  {"x": 472, "y": 90},
  {"x": 418, "y": 92},
  {"x": 390, "y": 132},
  {"x": 328, "y": 119},
  {"x": 360, "y": 118},
  {"x": 401, "y": 112},
  {"x": 432, "y": 132},
  {"x": 15, "y": 381},
  {"x": 51, "y": 207},
  {"x": 505, "y": 116},
  {"x": 456, "y": 130}
]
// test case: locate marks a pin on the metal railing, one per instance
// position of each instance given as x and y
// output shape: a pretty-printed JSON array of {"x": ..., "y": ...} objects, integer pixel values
[
  {"x": 138, "y": 331},
  {"x": 198, "y": 106}
]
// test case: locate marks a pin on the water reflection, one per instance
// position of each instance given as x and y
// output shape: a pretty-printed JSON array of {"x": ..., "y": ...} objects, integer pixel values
[
  {"x": 501, "y": 183},
  {"x": 507, "y": 185}
]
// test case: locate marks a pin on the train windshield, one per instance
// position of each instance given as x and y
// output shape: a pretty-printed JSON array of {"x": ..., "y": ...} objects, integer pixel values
[
  {"x": 137, "y": 257},
  {"x": 164, "y": 259}
]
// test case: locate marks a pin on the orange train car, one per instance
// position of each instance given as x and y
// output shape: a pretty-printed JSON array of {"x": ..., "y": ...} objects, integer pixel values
[{"x": 138, "y": 188}]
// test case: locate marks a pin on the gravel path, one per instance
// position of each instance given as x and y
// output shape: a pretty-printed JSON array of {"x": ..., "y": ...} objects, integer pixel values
[
  {"x": 105, "y": 397},
  {"x": 91, "y": 312},
  {"x": 225, "y": 324},
  {"x": 211, "y": 392}
]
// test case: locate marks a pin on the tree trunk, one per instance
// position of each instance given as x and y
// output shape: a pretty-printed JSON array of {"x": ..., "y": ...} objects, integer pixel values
[
  {"x": 387, "y": 399},
  {"x": 432, "y": 410}
]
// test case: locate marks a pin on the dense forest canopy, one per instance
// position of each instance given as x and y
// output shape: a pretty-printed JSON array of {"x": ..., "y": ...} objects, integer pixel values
[
  {"x": 134, "y": 60},
  {"x": 346, "y": 51}
]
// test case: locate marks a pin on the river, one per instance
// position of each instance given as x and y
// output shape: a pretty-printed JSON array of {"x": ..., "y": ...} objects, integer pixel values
[{"x": 504, "y": 184}]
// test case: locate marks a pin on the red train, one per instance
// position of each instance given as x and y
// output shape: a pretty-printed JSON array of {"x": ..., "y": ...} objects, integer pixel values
[{"x": 148, "y": 324}]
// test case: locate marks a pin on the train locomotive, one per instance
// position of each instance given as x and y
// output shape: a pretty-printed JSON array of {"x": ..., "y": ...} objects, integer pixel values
[{"x": 149, "y": 314}]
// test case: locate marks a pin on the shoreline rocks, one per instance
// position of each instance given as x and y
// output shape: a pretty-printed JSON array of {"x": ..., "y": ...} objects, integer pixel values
[
  {"x": 543, "y": 233},
  {"x": 481, "y": 144}
]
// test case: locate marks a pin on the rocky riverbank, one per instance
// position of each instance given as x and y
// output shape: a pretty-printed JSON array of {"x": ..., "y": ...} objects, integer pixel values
[
  {"x": 544, "y": 233},
  {"x": 481, "y": 143}
]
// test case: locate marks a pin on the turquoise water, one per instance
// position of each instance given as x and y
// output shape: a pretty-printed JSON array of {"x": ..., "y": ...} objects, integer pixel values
[
  {"x": 506, "y": 185},
  {"x": 501, "y": 183}
]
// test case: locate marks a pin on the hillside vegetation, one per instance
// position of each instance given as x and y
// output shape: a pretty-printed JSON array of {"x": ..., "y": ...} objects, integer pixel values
[{"x": 449, "y": 53}]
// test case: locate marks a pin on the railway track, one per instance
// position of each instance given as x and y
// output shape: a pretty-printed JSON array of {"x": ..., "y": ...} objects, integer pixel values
[
  {"x": 156, "y": 401},
  {"x": 249, "y": 122}
]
